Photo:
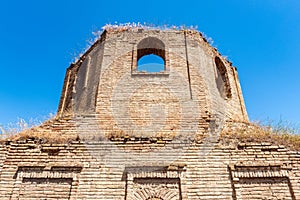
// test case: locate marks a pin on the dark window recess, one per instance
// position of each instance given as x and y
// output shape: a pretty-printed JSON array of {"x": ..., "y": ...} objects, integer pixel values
[
  {"x": 151, "y": 55},
  {"x": 222, "y": 80}
]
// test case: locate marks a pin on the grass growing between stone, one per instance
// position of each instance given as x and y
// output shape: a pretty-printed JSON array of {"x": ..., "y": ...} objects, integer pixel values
[
  {"x": 232, "y": 133},
  {"x": 45, "y": 132},
  {"x": 279, "y": 134}
]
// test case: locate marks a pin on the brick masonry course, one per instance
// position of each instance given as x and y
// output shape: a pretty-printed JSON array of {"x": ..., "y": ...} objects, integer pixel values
[{"x": 123, "y": 133}]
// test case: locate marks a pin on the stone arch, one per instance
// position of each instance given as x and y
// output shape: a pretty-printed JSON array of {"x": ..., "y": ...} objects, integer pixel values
[
  {"x": 151, "y": 45},
  {"x": 222, "y": 80},
  {"x": 156, "y": 192},
  {"x": 154, "y": 48}
]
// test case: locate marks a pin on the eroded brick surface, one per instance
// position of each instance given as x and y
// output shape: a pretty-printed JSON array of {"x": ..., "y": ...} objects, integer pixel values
[{"x": 121, "y": 133}]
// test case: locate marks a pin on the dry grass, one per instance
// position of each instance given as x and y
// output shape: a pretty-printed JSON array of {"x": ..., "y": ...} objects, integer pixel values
[
  {"x": 120, "y": 27},
  {"x": 43, "y": 137},
  {"x": 255, "y": 133},
  {"x": 44, "y": 133},
  {"x": 234, "y": 132}
]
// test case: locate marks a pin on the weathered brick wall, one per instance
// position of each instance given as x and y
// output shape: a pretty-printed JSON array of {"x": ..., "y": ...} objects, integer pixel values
[
  {"x": 113, "y": 58},
  {"x": 106, "y": 170},
  {"x": 121, "y": 133},
  {"x": 105, "y": 87}
]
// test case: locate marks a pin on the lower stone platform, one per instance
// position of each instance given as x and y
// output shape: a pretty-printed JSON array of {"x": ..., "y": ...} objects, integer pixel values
[{"x": 115, "y": 170}]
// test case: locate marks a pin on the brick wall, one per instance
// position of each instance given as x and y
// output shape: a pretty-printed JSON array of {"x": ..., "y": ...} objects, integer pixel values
[
  {"x": 131, "y": 170},
  {"x": 121, "y": 133}
]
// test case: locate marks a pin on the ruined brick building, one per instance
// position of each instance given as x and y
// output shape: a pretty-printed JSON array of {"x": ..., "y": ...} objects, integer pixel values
[{"x": 124, "y": 133}]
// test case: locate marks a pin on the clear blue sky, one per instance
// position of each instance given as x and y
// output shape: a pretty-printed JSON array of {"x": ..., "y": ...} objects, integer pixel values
[{"x": 39, "y": 39}]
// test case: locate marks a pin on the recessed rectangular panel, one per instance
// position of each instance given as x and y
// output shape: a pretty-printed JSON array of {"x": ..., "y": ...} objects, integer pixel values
[
  {"x": 261, "y": 182},
  {"x": 39, "y": 182},
  {"x": 45, "y": 188},
  {"x": 259, "y": 188}
]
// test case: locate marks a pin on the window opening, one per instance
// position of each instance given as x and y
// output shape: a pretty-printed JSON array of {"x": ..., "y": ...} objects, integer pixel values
[
  {"x": 151, "y": 63},
  {"x": 151, "y": 56},
  {"x": 222, "y": 80}
]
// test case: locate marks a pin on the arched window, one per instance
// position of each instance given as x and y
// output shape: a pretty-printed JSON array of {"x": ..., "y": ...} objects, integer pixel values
[
  {"x": 151, "y": 55},
  {"x": 151, "y": 63},
  {"x": 222, "y": 80}
]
